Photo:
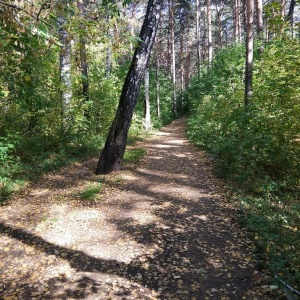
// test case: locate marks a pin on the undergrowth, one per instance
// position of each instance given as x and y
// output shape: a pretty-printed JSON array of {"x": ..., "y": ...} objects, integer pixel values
[{"x": 256, "y": 149}]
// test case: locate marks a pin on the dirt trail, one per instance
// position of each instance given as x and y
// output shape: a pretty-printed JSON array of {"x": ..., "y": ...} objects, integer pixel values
[{"x": 161, "y": 231}]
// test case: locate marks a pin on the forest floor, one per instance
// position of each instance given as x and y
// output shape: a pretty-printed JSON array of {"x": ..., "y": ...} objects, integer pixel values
[{"x": 161, "y": 229}]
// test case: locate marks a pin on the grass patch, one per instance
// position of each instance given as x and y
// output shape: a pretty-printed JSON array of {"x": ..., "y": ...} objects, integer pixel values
[
  {"x": 133, "y": 156},
  {"x": 90, "y": 192}
]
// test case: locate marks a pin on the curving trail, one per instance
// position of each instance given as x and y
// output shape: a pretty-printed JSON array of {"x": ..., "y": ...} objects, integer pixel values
[{"x": 159, "y": 230}]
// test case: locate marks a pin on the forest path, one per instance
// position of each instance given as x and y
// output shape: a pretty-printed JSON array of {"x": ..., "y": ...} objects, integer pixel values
[{"x": 159, "y": 230}]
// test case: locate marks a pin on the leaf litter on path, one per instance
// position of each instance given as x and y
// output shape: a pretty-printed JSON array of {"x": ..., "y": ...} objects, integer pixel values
[{"x": 159, "y": 230}]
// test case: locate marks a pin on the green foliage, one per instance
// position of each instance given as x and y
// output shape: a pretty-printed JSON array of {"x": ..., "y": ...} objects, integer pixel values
[
  {"x": 90, "y": 192},
  {"x": 273, "y": 222},
  {"x": 32, "y": 138},
  {"x": 259, "y": 144},
  {"x": 256, "y": 148},
  {"x": 133, "y": 156}
]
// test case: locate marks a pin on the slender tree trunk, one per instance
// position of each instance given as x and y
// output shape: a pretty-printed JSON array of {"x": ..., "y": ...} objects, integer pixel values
[
  {"x": 290, "y": 17},
  {"x": 147, "y": 116},
  {"x": 249, "y": 51},
  {"x": 65, "y": 71},
  {"x": 220, "y": 8},
  {"x": 159, "y": 49},
  {"x": 173, "y": 69},
  {"x": 113, "y": 152},
  {"x": 157, "y": 87},
  {"x": 198, "y": 36},
  {"x": 169, "y": 36},
  {"x": 237, "y": 21},
  {"x": 236, "y": 12},
  {"x": 83, "y": 57},
  {"x": 209, "y": 33},
  {"x": 188, "y": 59},
  {"x": 110, "y": 34},
  {"x": 259, "y": 17},
  {"x": 181, "y": 55}
]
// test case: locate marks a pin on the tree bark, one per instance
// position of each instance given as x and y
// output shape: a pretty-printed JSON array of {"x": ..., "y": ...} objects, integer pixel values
[
  {"x": 157, "y": 87},
  {"x": 173, "y": 67},
  {"x": 259, "y": 17},
  {"x": 249, "y": 51},
  {"x": 290, "y": 16},
  {"x": 83, "y": 57},
  {"x": 113, "y": 152},
  {"x": 147, "y": 116},
  {"x": 209, "y": 33},
  {"x": 237, "y": 21},
  {"x": 188, "y": 58},
  {"x": 198, "y": 36},
  {"x": 219, "y": 9},
  {"x": 65, "y": 71}
]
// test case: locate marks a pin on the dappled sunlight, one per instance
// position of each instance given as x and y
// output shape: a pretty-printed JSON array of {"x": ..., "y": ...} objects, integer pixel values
[
  {"x": 177, "y": 141},
  {"x": 163, "y": 133},
  {"x": 163, "y": 174},
  {"x": 62, "y": 224},
  {"x": 164, "y": 146},
  {"x": 156, "y": 157},
  {"x": 180, "y": 155},
  {"x": 180, "y": 192},
  {"x": 154, "y": 232}
]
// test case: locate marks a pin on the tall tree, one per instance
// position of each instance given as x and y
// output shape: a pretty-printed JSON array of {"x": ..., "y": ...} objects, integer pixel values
[
  {"x": 290, "y": 16},
  {"x": 113, "y": 152},
  {"x": 173, "y": 66},
  {"x": 147, "y": 116},
  {"x": 198, "y": 36},
  {"x": 219, "y": 9},
  {"x": 209, "y": 32},
  {"x": 65, "y": 69},
  {"x": 237, "y": 20},
  {"x": 259, "y": 17},
  {"x": 83, "y": 56},
  {"x": 249, "y": 50}
]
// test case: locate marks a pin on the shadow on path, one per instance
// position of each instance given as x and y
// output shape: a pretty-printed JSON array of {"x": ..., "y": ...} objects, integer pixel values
[{"x": 168, "y": 218}]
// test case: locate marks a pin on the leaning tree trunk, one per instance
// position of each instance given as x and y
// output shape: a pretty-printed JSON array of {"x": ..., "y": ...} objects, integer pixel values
[{"x": 112, "y": 154}]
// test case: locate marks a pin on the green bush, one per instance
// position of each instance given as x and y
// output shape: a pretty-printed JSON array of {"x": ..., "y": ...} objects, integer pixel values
[
  {"x": 257, "y": 148},
  {"x": 260, "y": 143}
]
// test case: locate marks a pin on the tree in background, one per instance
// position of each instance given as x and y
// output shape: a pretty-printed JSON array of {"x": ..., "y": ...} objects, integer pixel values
[{"x": 249, "y": 51}]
